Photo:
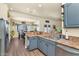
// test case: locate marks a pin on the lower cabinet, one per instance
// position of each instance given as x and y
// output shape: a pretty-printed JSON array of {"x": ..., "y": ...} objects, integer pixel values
[
  {"x": 41, "y": 45},
  {"x": 46, "y": 46},
  {"x": 32, "y": 43},
  {"x": 51, "y": 49}
]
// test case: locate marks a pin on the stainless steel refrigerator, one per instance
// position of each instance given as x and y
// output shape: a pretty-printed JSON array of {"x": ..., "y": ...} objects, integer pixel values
[{"x": 3, "y": 37}]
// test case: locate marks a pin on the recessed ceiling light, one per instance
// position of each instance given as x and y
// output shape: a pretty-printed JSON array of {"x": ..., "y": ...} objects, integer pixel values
[
  {"x": 28, "y": 9},
  {"x": 39, "y": 5},
  {"x": 11, "y": 8},
  {"x": 34, "y": 10}
]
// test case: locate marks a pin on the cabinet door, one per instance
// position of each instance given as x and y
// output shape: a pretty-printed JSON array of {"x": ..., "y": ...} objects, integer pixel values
[
  {"x": 32, "y": 43},
  {"x": 39, "y": 42},
  {"x": 42, "y": 45},
  {"x": 71, "y": 15},
  {"x": 45, "y": 47},
  {"x": 51, "y": 49}
]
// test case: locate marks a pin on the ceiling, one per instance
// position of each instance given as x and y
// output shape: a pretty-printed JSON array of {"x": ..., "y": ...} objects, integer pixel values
[{"x": 37, "y": 9}]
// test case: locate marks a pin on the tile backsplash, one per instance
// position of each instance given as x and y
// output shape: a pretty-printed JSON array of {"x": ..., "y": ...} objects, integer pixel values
[{"x": 73, "y": 38}]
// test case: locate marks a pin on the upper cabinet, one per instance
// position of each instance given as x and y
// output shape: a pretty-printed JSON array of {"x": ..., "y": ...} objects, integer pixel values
[{"x": 71, "y": 15}]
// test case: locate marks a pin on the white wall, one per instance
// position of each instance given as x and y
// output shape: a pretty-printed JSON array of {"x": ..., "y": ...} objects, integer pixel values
[
  {"x": 16, "y": 15},
  {"x": 3, "y": 11},
  {"x": 70, "y": 31}
]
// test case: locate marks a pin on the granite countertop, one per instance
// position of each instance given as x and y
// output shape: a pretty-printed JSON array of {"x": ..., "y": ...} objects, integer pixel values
[
  {"x": 69, "y": 43},
  {"x": 64, "y": 42}
]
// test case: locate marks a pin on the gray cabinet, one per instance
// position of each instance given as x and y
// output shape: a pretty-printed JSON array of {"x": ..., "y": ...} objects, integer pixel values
[
  {"x": 46, "y": 46},
  {"x": 39, "y": 42},
  {"x": 51, "y": 49},
  {"x": 71, "y": 15},
  {"x": 32, "y": 43},
  {"x": 42, "y": 45}
]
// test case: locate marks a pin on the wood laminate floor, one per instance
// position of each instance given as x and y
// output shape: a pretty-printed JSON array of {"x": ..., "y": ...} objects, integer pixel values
[{"x": 16, "y": 48}]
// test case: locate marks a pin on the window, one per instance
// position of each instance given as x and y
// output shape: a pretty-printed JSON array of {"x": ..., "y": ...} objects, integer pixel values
[
  {"x": 47, "y": 21},
  {"x": 45, "y": 25}
]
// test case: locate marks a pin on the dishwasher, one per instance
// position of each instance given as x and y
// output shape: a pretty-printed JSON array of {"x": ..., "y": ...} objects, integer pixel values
[{"x": 62, "y": 50}]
